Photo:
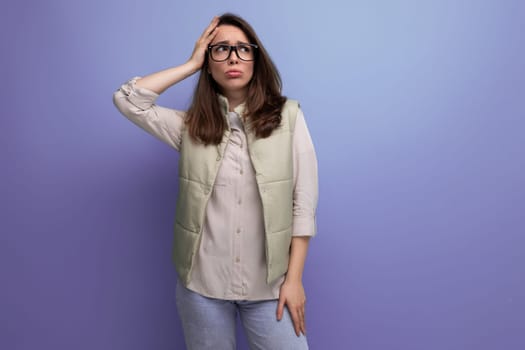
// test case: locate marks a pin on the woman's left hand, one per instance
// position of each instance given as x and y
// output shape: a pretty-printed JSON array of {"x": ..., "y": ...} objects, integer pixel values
[{"x": 292, "y": 294}]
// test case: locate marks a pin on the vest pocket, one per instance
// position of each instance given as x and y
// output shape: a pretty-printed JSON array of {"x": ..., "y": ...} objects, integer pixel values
[
  {"x": 279, "y": 252},
  {"x": 277, "y": 198},
  {"x": 190, "y": 204},
  {"x": 184, "y": 246}
]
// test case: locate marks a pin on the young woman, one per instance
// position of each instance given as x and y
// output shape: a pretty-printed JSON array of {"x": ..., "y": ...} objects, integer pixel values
[{"x": 247, "y": 190}]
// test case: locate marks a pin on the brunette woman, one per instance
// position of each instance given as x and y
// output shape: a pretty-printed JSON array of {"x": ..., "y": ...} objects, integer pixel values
[{"x": 247, "y": 190}]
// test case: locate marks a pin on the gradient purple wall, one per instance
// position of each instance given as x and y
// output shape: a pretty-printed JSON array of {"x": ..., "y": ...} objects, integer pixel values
[{"x": 417, "y": 112}]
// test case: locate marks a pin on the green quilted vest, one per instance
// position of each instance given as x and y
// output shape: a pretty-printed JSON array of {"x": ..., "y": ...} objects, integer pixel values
[{"x": 272, "y": 160}]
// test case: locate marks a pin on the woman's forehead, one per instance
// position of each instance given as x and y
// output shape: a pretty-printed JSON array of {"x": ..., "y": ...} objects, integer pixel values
[{"x": 230, "y": 33}]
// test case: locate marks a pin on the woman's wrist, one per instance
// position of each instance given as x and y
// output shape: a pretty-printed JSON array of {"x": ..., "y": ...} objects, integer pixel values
[
  {"x": 292, "y": 279},
  {"x": 192, "y": 67}
]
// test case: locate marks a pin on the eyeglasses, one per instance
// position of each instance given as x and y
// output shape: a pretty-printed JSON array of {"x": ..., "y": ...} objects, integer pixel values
[{"x": 221, "y": 52}]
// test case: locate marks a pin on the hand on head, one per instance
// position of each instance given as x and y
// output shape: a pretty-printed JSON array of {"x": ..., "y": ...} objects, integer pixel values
[{"x": 199, "y": 52}]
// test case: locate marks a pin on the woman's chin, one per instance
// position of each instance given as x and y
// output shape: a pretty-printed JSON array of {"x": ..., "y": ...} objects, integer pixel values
[{"x": 234, "y": 86}]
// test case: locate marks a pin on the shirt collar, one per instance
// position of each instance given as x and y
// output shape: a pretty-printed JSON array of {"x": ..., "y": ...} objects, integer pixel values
[{"x": 225, "y": 107}]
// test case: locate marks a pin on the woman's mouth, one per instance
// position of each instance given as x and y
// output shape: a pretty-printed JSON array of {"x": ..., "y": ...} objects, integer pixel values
[{"x": 233, "y": 73}]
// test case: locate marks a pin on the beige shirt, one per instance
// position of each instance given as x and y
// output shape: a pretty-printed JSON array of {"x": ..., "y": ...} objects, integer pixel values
[{"x": 230, "y": 263}]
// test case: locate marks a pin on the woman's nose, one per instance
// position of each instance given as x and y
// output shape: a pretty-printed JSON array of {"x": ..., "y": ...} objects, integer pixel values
[{"x": 234, "y": 58}]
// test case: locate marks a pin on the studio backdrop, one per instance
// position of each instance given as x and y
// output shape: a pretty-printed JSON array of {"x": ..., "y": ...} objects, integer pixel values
[{"x": 416, "y": 112}]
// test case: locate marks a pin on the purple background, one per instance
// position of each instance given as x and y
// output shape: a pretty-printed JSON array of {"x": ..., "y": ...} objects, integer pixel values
[{"x": 416, "y": 109}]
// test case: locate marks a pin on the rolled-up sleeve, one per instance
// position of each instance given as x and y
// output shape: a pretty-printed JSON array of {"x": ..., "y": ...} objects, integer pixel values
[
  {"x": 138, "y": 105},
  {"x": 305, "y": 194}
]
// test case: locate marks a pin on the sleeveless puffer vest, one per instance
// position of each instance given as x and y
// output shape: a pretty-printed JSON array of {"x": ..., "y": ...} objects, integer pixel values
[{"x": 273, "y": 163}]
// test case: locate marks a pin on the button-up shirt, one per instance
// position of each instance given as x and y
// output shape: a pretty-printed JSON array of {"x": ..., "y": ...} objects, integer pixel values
[{"x": 231, "y": 263}]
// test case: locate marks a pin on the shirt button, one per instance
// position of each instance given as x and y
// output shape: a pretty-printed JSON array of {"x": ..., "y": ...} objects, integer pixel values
[
  {"x": 238, "y": 230},
  {"x": 239, "y": 201},
  {"x": 237, "y": 259},
  {"x": 241, "y": 171}
]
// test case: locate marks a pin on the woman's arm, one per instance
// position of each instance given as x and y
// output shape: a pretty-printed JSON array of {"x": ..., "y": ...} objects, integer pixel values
[
  {"x": 160, "y": 81},
  {"x": 304, "y": 226},
  {"x": 292, "y": 290},
  {"x": 138, "y": 105},
  {"x": 136, "y": 98}
]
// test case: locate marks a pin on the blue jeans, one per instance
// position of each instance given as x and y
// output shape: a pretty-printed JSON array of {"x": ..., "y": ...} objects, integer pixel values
[{"x": 210, "y": 323}]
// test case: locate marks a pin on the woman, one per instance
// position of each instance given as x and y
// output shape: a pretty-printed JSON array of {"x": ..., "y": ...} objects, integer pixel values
[{"x": 247, "y": 190}]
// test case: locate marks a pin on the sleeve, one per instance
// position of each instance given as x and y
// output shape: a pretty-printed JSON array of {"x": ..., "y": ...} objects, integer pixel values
[
  {"x": 305, "y": 193},
  {"x": 138, "y": 105}
]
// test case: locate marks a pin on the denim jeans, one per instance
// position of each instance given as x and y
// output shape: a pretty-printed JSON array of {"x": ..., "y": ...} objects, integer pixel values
[{"x": 210, "y": 323}]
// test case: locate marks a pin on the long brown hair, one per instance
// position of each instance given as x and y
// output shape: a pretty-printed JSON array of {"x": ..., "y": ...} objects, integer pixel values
[{"x": 264, "y": 101}]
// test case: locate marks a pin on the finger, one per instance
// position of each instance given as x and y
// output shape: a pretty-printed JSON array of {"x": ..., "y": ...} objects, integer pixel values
[
  {"x": 203, "y": 42},
  {"x": 280, "y": 308},
  {"x": 210, "y": 27},
  {"x": 296, "y": 321},
  {"x": 206, "y": 39},
  {"x": 303, "y": 321},
  {"x": 212, "y": 35},
  {"x": 301, "y": 318}
]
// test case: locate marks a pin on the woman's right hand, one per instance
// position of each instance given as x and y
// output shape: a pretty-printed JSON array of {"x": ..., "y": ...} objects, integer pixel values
[
  {"x": 158, "y": 82},
  {"x": 199, "y": 52}
]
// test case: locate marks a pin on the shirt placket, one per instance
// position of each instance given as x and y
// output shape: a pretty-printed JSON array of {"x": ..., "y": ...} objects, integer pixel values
[{"x": 238, "y": 227}]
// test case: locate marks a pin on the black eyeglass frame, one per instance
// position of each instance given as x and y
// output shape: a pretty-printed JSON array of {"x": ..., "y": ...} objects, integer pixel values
[{"x": 233, "y": 48}]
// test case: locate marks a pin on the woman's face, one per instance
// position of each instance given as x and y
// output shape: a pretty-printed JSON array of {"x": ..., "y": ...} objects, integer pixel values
[{"x": 233, "y": 74}]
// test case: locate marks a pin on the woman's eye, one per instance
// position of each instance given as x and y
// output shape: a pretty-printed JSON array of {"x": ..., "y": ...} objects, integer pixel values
[
  {"x": 245, "y": 48},
  {"x": 221, "y": 48}
]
